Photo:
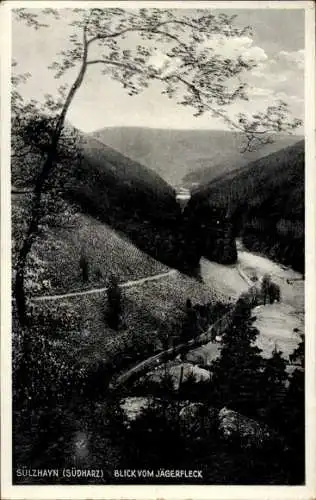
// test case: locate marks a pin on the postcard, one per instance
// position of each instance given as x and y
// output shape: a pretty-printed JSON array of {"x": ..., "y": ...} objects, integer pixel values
[{"x": 158, "y": 249}]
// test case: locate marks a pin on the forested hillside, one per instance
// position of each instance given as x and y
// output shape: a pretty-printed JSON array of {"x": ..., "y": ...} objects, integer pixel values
[
  {"x": 264, "y": 203},
  {"x": 122, "y": 193}
]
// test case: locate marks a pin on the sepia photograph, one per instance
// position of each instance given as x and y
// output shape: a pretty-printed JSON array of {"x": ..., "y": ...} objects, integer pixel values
[{"x": 157, "y": 189}]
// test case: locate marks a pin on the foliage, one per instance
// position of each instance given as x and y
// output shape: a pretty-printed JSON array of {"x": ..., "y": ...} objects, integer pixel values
[
  {"x": 298, "y": 356},
  {"x": 191, "y": 70},
  {"x": 45, "y": 371},
  {"x": 199, "y": 317},
  {"x": 273, "y": 390},
  {"x": 201, "y": 79},
  {"x": 237, "y": 373},
  {"x": 293, "y": 425},
  {"x": 32, "y": 125}
]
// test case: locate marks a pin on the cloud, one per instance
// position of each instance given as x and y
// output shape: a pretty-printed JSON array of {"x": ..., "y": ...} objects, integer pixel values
[
  {"x": 290, "y": 98},
  {"x": 280, "y": 77},
  {"x": 227, "y": 47},
  {"x": 276, "y": 77},
  {"x": 234, "y": 47},
  {"x": 260, "y": 92},
  {"x": 163, "y": 63},
  {"x": 284, "y": 66},
  {"x": 296, "y": 58}
]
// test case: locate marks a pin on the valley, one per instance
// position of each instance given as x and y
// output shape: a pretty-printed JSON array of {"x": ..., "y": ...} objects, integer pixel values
[{"x": 156, "y": 328}]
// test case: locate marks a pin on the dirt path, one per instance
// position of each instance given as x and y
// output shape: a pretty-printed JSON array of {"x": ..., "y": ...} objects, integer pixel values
[
  {"x": 224, "y": 279},
  {"x": 127, "y": 284}
]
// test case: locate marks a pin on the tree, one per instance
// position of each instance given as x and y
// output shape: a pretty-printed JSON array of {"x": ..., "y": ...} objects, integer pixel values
[
  {"x": 84, "y": 266},
  {"x": 237, "y": 373},
  {"x": 188, "y": 69},
  {"x": 190, "y": 327},
  {"x": 273, "y": 387},
  {"x": 292, "y": 418},
  {"x": 154, "y": 437},
  {"x": 33, "y": 126},
  {"x": 114, "y": 303}
]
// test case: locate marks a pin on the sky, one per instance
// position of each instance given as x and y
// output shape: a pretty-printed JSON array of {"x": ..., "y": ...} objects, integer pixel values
[{"x": 277, "y": 43}]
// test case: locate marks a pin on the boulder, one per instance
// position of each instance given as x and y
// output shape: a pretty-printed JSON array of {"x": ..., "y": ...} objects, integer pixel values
[
  {"x": 204, "y": 355},
  {"x": 243, "y": 430},
  {"x": 197, "y": 418}
]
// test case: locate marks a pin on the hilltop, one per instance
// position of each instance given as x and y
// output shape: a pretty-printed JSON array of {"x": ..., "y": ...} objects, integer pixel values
[
  {"x": 265, "y": 204},
  {"x": 185, "y": 157}
]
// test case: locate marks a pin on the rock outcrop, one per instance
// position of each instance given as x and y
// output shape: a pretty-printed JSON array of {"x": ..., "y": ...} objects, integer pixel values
[
  {"x": 204, "y": 355},
  {"x": 242, "y": 430}
]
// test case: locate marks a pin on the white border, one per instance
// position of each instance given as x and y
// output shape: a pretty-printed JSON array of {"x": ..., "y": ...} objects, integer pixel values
[{"x": 150, "y": 491}]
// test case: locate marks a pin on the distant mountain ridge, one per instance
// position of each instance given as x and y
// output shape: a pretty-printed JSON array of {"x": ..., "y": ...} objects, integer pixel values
[{"x": 185, "y": 157}]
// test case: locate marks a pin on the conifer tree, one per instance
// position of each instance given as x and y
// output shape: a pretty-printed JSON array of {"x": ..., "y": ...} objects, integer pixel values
[
  {"x": 237, "y": 373},
  {"x": 114, "y": 303},
  {"x": 273, "y": 387},
  {"x": 293, "y": 418}
]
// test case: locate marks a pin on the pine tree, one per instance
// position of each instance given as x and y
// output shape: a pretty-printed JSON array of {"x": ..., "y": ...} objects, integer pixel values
[
  {"x": 84, "y": 266},
  {"x": 237, "y": 373},
  {"x": 114, "y": 304},
  {"x": 293, "y": 417},
  {"x": 273, "y": 387},
  {"x": 190, "y": 324}
]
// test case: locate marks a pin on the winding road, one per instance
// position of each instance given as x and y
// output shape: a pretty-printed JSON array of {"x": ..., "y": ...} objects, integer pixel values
[{"x": 127, "y": 284}]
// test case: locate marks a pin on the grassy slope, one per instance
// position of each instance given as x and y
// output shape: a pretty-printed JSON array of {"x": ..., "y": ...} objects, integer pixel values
[
  {"x": 185, "y": 156},
  {"x": 107, "y": 253},
  {"x": 147, "y": 308}
]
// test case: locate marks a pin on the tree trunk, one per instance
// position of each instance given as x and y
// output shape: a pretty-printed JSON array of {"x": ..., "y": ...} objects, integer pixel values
[
  {"x": 48, "y": 165},
  {"x": 19, "y": 282}
]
